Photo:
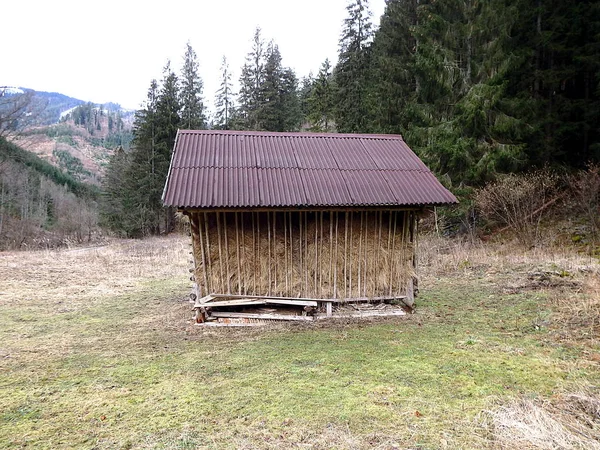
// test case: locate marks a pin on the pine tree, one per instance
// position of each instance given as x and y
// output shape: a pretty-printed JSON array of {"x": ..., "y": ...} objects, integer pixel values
[
  {"x": 193, "y": 116},
  {"x": 352, "y": 71},
  {"x": 224, "y": 98}
]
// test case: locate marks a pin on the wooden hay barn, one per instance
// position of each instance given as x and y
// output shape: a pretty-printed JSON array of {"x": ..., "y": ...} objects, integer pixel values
[{"x": 298, "y": 226}]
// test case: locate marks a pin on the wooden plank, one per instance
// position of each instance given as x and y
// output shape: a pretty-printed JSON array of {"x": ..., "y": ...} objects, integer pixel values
[
  {"x": 398, "y": 312},
  {"x": 329, "y": 309},
  {"x": 205, "y": 299},
  {"x": 292, "y": 302},
  {"x": 241, "y": 302},
  {"x": 308, "y": 301},
  {"x": 225, "y": 314},
  {"x": 257, "y": 301}
]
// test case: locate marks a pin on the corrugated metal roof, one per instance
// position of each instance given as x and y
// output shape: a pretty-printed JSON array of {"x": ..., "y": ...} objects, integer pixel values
[{"x": 250, "y": 169}]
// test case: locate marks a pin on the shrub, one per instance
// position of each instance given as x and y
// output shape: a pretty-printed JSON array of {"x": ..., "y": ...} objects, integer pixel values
[{"x": 518, "y": 202}]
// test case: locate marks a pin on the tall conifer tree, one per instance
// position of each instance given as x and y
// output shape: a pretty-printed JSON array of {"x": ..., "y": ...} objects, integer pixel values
[
  {"x": 352, "y": 71},
  {"x": 193, "y": 115},
  {"x": 224, "y": 98}
]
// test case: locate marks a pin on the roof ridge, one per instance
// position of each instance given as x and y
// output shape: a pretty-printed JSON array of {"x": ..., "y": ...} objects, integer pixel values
[{"x": 303, "y": 134}]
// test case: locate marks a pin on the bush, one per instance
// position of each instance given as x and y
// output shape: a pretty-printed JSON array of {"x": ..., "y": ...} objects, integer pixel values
[
  {"x": 585, "y": 187},
  {"x": 519, "y": 202}
]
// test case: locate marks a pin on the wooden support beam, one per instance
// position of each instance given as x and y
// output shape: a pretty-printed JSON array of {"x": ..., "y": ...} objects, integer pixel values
[{"x": 233, "y": 315}]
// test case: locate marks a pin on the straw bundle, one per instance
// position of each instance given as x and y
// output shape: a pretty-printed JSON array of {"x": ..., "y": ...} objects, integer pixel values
[{"x": 306, "y": 254}]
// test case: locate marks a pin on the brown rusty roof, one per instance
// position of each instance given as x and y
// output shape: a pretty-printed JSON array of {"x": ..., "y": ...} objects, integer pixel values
[{"x": 249, "y": 169}]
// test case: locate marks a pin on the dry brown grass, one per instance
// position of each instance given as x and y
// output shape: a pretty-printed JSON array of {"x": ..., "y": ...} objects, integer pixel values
[
  {"x": 567, "y": 421},
  {"x": 81, "y": 273}
]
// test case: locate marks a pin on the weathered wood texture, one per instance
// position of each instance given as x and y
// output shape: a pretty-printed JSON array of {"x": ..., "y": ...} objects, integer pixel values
[{"x": 309, "y": 254}]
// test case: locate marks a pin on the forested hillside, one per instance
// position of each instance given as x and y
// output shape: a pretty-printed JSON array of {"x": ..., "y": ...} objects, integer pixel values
[{"x": 41, "y": 206}]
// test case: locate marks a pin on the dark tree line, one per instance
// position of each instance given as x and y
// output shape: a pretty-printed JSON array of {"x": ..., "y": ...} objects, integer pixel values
[{"x": 476, "y": 87}]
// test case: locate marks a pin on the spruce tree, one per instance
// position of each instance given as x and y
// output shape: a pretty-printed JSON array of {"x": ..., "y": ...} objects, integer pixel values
[
  {"x": 250, "y": 97},
  {"x": 321, "y": 101},
  {"x": 224, "y": 98},
  {"x": 352, "y": 71},
  {"x": 193, "y": 115}
]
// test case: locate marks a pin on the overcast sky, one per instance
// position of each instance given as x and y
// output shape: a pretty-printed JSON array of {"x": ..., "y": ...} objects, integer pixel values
[{"x": 110, "y": 50}]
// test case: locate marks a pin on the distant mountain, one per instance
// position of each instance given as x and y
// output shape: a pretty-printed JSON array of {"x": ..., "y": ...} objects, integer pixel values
[
  {"x": 47, "y": 108},
  {"x": 76, "y": 136}
]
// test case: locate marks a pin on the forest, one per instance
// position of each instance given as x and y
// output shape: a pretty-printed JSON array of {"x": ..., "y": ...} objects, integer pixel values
[{"x": 478, "y": 89}]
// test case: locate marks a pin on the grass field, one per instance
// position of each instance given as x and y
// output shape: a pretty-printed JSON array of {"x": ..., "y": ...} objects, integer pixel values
[{"x": 98, "y": 351}]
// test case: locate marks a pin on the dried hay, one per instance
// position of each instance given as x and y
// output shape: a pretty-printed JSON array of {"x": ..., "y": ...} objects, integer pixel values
[
  {"x": 298, "y": 254},
  {"x": 569, "y": 421}
]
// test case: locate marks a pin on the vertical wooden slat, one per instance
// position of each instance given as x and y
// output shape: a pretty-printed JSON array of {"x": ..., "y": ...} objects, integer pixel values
[
  {"x": 378, "y": 258},
  {"x": 257, "y": 252},
  {"x": 254, "y": 255},
  {"x": 351, "y": 254},
  {"x": 245, "y": 283},
  {"x": 275, "y": 261},
  {"x": 301, "y": 252},
  {"x": 203, "y": 254},
  {"x": 330, "y": 278},
  {"x": 366, "y": 256},
  {"x": 222, "y": 284},
  {"x": 360, "y": 265},
  {"x": 393, "y": 253},
  {"x": 346, "y": 256},
  {"x": 402, "y": 264},
  {"x": 209, "y": 259},
  {"x": 320, "y": 243},
  {"x": 269, "y": 250},
  {"x": 306, "y": 256},
  {"x": 237, "y": 253},
  {"x": 389, "y": 252},
  {"x": 285, "y": 250},
  {"x": 335, "y": 265},
  {"x": 291, "y": 236},
  {"x": 227, "y": 268}
]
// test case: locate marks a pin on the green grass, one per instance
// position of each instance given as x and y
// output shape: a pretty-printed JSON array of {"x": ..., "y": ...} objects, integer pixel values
[{"x": 131, "y": 371}]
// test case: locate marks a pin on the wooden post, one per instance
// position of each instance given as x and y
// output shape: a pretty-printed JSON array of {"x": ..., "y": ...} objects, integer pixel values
[
  {"x": 366, "y": 258},
  {"x": 291, "y": 236},
  {"x": 285, "y": 250},
  {"x": 346, "y": 257},
  {"x": 203, "y": 253},
  {"x": 317, "y": 268},
  {"x": 351, "y": 254},
  {"x": 258, "y": 250},
  {"x": 378, "y": 259},
  {"x": 245, "y": 258},
  {"x": 275, "y": 265},
  {"x": 269, "y": 250},
  {"x": 335, "y": 264},
  {"x": 330, "y": 279},
  {"x": 208, "y": 257},
  {"x": 360, "y": 265},
  {"x": 306, "y": 255},
  {"x": 237, "y": 252},
  {"x": 253, "y": 256},
  {"x": 391, "y": 259},
  {"x": 220, "y": 252},
  {"x": 227, "y": 253}
]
